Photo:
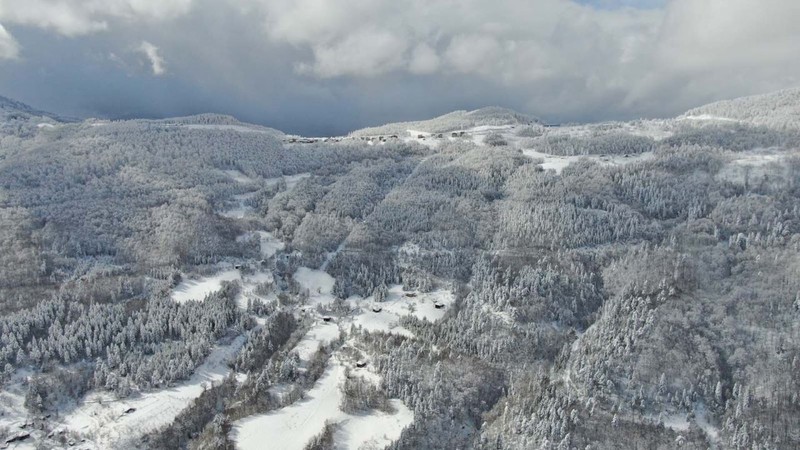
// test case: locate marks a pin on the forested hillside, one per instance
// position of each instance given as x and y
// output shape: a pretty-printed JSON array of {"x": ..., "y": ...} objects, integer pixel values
[{"x": 475, "y": 281}]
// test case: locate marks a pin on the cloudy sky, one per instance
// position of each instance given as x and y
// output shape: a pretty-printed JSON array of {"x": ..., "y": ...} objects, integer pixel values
[{"x": 329, "y": 66}]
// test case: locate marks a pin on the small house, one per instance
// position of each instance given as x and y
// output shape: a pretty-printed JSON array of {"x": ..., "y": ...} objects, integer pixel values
[
  {"x": 438, "y": 305},
  {"x": 361, "y": 364},
  {"x": 327, "y": 319},
  {"x": 377, "y": 308},
  {"x": 411, "y": 294}
]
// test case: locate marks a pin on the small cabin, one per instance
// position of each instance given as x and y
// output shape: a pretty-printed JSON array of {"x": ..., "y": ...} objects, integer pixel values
[
  {"x": 377, "y": 308},
  {"x": 129, "y": 410},
  {"x": 237, "y": 266},
  {"x": 361, "y": 364},
  {"x": 438, "y": 305},
  {"x": 411, "y": 294},
  {"x": 420, "y": 136},
  {"x": 327, "y": 319}
]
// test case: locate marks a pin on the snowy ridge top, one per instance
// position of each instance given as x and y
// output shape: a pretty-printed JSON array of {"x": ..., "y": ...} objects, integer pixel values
[
  {"x": 456, "y": 120},
  {"x": 780, "y": 109}
]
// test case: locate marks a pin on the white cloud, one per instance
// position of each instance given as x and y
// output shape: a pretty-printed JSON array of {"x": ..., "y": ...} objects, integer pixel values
[
  {"x": 563, "y": 59},
  {"x": 424, "y": 60},
  {"x": 9, "y": 49},
  {"x": 510, "y": 41},
  {"x": 369, "y": 52},
  {"x": 639, "y": 57},
  {"x": 77, "y": 17},
  {"x": 156, "y": 61}
]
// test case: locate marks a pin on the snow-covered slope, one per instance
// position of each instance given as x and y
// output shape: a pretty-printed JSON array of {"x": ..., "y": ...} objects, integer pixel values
[
  {"x": 779, "y": 109},
  {"x": 456, "y": 120}
]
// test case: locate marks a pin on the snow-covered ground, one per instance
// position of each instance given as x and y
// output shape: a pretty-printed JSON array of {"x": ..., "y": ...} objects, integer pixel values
[
  {"x": 476, "y": 134},
  {"x": 293, "y": 427},
  {"x": 101, "y": 417},
  {"x": 680, "y": 422},
  {"x": 239, "y": 128},
  {"x": 291, "y": 180},
  {"x": 373, "y": 431},
  {"x": 707, "y": 118},
  {"x": 268, "y": 243},
  {"x": 199, "y": 288},
  {"x": 558, "y": 163},
  {"x": 321, "y": 333},
  {"x": 319, "y": 284},
  {"x": 397, "y": 304},
  {"x": 238, "y": 176},
  {"x": 240, "y": 209},
  {"x": 754, "y": 166},
  {"x": 12, "y": 401},
  {"x": 760, "y": 157}
]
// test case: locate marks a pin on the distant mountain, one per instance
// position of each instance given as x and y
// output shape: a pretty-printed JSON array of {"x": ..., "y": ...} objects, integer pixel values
[
  {"x": 456, "y": 120},
  {"x": 208, "y": 122},
  {"x": 11, "y": 109},
  {"x": 779, "y": 109}
]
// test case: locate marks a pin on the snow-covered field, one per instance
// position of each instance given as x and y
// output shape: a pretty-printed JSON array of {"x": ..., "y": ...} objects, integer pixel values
[
  {"x": 13, "y": 413},
  {"x": 101, "y": 417},
  {"x": 398, "y": 304},
  {"x": 319, "y": 284},
  {"x": 239, "y": 128},
  {"x": 321, "y": 333},
  {"x": 707, "y": 118},
  {"x": 199, "y": 288},
  {"x": 291, "y": 180},
  {"x": 238, "y": 176},
  {"x": 293, "y": 427},
  {"x": 558, "y": 163},
  {"x": 270, "y": 245},
  {"x": 240, "y": 210}
]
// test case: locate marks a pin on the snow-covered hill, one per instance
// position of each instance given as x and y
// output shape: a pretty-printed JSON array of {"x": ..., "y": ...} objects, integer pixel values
[
  {"x": 779, "y": 109},
  {"x": 456, "y": 120}
]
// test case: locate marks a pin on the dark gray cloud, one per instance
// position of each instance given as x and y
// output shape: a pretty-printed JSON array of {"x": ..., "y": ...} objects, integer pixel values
[{"x": 329, "y": 66}]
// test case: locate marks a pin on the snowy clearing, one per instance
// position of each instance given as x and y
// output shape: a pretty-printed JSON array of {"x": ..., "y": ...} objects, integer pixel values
[
  {"x": 707, "y": 117},
  {"x": 318, "y": 283},
  {"x": 102, "y": 419},
  {"x": 199, "y": 288},
  {"x": 238, "y": 176},
  {"x": 373, "y": 431},
  {"x": 399, "y": 303},
  {"x": 12, "y": 401},
  {"x": 558, "y": 163},
  {"x": 759, "y": 157},
  {"x": 219, "y": 127},
  {"x": 269, "y": 244},
  {"x": 322, "y": 333},
  {"x": 293, "y": 427},
  {"x": 291, "y": 180}
]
